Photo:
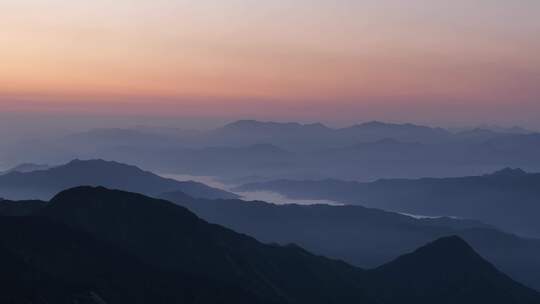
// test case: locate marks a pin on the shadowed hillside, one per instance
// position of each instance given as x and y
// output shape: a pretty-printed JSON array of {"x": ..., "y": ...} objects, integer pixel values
[
  {"x": 365, "y": 237},
  {"x": 110, "y": 225}
]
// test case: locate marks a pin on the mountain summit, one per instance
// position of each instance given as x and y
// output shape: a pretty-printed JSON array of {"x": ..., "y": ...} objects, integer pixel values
[{"x": 448, "y": 270}]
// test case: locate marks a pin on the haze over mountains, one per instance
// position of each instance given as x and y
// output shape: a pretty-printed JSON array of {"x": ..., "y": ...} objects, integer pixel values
[
  {"x": 145, "y": 248},
  {"x": 44, "y": 184},
  {"x": 365, "y": 151},
  {"x": 363, "y": 237},
  {"x": 269, "y": 152},
  {"x": 134, "y": 237},
  {"x": 509, "y": 198}
]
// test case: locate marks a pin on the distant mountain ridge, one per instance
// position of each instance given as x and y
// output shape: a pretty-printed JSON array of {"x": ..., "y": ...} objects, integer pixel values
[
  {"x": 44, "y": 184},
  {"x": 365, "y": 132},
  {"x": 121, "y": 228},
  {"x": 254, "y": 124},
  {"x": 510, "y": 195},
  {"x": 275, "y": 150}
]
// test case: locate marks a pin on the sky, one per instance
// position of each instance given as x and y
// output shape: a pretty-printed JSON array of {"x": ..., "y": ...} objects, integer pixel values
[{"x": 460, "y": 62}]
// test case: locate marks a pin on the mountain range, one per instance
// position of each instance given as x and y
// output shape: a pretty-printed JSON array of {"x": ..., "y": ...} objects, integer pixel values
[
  {"x": 362, "y": 236},
  {"x": 94, "y": 245},
  {"x": 44, "y": 184},
  {"x": 508, "y": 198},
  {"x": 273, "y": 150}
]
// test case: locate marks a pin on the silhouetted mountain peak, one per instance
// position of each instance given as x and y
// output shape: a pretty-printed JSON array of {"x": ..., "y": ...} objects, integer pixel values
[
  {"x": 454, "y": 244},
  {"x": 171, "y": 238},
  {"x": 73, "y": 195},
  {"x": 449, "y": 267},
  {"x": 78, "y": 191},
  {"x": 98, "y": 165},
  {"x": 446, "y": 252},
  {"x": 85, "y": 202},
  {"x": 317, "y": 125},
  {"x": 89, "y": 194},
  {"x": 510, "y": 172},
  {"x": 83, "y": 192},
  {"x": 385, "y": 125},
  {"x": 103, "y": 167},
  {"x": 250, "y": 125},
  {"x": 449, "y": 255}
]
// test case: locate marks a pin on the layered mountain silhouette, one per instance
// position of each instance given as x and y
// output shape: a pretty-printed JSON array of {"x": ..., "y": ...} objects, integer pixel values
[
  {"x": 363, "y": 152},
  {"x": 365, "y": 237},
  {"x": 44, "y": 184},
  {"x": 110, "y": 246},
  {"x": 508, "y": 199},
  {"x": 368, "y": 131},
  {"x": 308, "y": 137}
]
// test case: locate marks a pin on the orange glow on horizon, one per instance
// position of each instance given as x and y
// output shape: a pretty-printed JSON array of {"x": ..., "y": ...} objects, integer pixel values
[{"x": 61, "y": 51}]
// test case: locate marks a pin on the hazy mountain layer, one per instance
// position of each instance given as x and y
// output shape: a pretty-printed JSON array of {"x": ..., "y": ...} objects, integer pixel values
[
  {"x": 508, "y": 199},
  {"x": 271, "y": 150},
  {"x": 44, "y": 184}
]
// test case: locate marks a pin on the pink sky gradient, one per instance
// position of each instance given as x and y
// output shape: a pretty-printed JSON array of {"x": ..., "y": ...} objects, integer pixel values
[{"x": 341, "y": 60}]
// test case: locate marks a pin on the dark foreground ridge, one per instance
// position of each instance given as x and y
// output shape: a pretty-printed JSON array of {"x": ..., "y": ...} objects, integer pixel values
[
  {"x": 109, "y": 246},
  {"x": 448, "y": 261},
  {"x": 365, "y": 237}
]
